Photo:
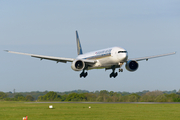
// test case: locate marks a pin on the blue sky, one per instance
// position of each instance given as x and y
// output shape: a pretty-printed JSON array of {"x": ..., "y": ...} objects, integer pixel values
[{"x": 45, "y": 27}]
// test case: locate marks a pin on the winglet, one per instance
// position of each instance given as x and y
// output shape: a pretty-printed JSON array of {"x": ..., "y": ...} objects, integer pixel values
[{"x": 79, "y": 48}]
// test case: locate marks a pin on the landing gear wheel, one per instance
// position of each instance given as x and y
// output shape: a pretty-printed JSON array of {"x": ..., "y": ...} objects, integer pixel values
[
  {"x": 111, "y": 75},
  {"x": 120, "y": 70},
  {"x": 83, "y": 74},
  {"x": 115, "y": 74}
]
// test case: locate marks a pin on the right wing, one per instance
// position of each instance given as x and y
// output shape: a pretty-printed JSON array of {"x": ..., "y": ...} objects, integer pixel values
[{"x": 57, "y": 59}]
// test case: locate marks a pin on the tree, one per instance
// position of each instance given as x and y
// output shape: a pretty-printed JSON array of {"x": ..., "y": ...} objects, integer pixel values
[
  {"x": 178, "y": 91},
  {"x": 99, "y": 99},
  {"x": 21, "y": 98},
  {"x": 63, "y": 98},
  {"x": 18, "y": 95},
  {"x": 111, "y": 93},
  {"x": 76, "y": 97},
  {"x": 161, "y": 98},
  {"x": 174, "y": 97},
  {"x": 104, "y": 94},
  {"x": 133, "y": 98},
  {"x": 151, "y": 96},
  {"x": 3, "y": 95},
  {"x": 90, "y": 96},
  {"x": 29, "y": 98},
  {"x": 125, "y": 93},
  {"x": 51, "y": 96},
  {"x": 115, "y": 97}
]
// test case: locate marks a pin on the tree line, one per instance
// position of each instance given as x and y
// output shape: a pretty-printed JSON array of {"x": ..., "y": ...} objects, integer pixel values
[{"x": 97, "y": 96}]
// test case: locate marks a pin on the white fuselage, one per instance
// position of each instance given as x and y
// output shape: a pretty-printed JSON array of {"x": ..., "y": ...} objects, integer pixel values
[{"x": 106, "y": 57}]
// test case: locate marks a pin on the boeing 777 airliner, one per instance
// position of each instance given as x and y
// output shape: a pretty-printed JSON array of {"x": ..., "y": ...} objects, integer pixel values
[{"x": 109, "y": 58}]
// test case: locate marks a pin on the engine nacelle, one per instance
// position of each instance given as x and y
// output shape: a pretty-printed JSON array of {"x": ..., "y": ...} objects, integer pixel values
[
  {"x": 78, "y": 65},
  {"x": 132, "y": 65}
]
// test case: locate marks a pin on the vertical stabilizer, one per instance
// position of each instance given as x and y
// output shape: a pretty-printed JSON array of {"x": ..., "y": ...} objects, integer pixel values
[{"x": 79, "y": 48}]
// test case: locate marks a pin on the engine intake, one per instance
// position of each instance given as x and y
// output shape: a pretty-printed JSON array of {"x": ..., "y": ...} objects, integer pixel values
[
  {"x": 132, "y": 65},
  {"x": 78, "y": 65}
]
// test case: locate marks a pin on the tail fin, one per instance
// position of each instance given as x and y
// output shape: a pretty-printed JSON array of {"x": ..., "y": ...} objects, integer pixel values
[{"x": 79, "y": 48}]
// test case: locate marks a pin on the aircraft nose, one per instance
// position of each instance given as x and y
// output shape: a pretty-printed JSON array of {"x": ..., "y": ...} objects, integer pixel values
[
  {"x": 125, "y": 57},
  {"x": 122, "y": 55}
]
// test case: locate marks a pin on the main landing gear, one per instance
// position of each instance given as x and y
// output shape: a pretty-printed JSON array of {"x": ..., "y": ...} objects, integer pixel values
[
  {"x": 83, "y": 74},
  {"x": 114, "y": 74}
]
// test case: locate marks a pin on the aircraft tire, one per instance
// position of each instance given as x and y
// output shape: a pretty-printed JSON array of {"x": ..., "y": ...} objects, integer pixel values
[
  {"x": 81, "y": 75},
  {"x": 120, "y": 70},
  {"x": 85, "y": 74},
  {"x": 115, "y": 74},
  {"x": 111, "y": 75}
]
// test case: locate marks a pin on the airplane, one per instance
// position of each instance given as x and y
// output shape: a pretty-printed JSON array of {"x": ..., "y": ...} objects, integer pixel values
[{"x": 108, "y": 59}]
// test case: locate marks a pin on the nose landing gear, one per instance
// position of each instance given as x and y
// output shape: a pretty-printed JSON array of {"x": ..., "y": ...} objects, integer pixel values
[{"x": 120, "y": 70}]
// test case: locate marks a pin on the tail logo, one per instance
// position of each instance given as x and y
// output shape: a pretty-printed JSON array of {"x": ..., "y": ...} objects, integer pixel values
[{"x": 79, "y": 48}]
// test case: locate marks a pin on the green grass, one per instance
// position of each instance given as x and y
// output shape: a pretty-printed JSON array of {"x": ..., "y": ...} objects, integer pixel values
[{"x": 81, "y": 111}]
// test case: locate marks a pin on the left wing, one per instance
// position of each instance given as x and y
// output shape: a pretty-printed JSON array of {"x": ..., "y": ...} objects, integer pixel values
[
  {"x": 146, "y": 58},
  {"x": 57, "y": 59}
]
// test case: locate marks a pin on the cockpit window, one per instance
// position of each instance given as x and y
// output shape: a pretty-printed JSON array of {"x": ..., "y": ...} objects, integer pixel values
[{"x": 122, "y": 51}]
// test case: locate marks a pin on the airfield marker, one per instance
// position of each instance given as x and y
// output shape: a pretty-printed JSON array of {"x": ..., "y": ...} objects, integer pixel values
[
  {"x": 25, "y": 118},
  {"x": 50, "y": 106}
]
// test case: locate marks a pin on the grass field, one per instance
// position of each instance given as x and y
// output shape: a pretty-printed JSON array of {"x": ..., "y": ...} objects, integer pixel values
[{"x": 81, "y": 111}]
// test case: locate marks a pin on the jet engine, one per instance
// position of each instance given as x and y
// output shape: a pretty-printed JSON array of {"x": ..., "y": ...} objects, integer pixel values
[
  {"x": 78, "y": 65},
  {"x": 132, "y": 65}
]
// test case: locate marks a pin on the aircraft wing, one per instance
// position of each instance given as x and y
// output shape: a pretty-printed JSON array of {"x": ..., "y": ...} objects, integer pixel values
[
  {"x": 58, "y": 59},
  {"x": 150, "y": 57}
]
